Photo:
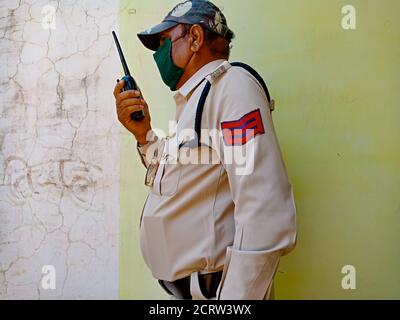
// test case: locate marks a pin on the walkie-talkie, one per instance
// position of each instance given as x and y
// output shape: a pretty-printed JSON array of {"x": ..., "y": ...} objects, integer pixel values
[{"x": 129, "y": 82}]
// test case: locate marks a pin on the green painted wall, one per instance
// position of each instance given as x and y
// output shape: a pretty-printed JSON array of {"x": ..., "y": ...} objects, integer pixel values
[{"x": 337, "y": 116}]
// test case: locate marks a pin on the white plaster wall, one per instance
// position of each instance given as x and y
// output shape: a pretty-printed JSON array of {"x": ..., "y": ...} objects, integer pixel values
[{"x": 59, "y": 153}]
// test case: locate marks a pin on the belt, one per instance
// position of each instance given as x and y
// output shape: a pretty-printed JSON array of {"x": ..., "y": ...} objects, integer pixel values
[{"x": 181, "y": 288}]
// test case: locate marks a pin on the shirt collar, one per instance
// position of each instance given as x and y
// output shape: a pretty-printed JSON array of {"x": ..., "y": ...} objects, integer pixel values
[{"x": 195, "y": 80}]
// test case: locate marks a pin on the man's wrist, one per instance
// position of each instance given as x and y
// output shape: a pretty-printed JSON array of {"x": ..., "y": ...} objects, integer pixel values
[{"x": 142, "y": 141}]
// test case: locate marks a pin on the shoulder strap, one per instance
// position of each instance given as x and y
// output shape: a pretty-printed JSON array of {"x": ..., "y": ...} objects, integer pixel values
[
  {"x": 206, "y": 90},
  {"x": 255, "y": 74},
  {"x": 199, "y": 111}
]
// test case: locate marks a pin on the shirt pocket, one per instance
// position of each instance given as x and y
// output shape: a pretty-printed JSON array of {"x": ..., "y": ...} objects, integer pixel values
[{"x": 168, "y": 174}]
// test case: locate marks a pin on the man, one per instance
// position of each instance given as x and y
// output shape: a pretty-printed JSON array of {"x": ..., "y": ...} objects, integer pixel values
[{"x": 215, "y": 229}]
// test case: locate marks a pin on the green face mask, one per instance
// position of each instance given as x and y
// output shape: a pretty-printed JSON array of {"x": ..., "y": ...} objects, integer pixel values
[{"x": 170, "y": 73}]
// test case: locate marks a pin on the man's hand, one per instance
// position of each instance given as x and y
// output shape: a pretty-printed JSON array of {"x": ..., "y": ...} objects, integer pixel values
[{"x": 128, "y": 102}]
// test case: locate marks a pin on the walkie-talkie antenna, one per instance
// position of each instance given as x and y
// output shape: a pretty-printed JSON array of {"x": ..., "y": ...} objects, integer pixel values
[
  {"x": 129, "y": 82},
  {"x": 121, "y": 55}
]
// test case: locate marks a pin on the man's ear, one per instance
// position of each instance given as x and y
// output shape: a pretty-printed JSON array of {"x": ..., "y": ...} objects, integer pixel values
[{"x": 197, "y": 34}]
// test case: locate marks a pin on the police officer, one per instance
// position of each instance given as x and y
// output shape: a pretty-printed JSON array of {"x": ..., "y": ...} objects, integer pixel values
[{"x": 212, "y": 229}]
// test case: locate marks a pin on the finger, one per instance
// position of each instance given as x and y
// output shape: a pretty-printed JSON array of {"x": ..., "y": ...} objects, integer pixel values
[
  {"x": 126, "y": 112},
  {"x": 125, "y": 116},
  {"x": 118, "y": 88},
  {"x": 130, "y": 102},
  {"x": 127, "y": 94}
]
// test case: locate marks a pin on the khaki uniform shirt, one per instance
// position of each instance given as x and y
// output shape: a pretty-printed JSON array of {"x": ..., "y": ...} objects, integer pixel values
[{"x": 207, "y": 217}]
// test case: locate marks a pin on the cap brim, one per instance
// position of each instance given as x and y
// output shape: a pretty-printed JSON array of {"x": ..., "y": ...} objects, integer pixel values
[{"x": 149, "y": 38}]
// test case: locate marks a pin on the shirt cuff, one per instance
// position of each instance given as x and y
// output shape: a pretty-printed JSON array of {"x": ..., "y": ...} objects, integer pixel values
[
  {"x": 248, "y": 275},
  {"x": 144, "y": 149}
]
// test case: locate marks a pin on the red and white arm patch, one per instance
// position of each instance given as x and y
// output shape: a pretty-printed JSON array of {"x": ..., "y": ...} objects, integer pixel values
[{"x": 239, "y": 132}]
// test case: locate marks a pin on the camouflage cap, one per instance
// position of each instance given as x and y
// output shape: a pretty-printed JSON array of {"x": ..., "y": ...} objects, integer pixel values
[{"x": 191, "y": 12}]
